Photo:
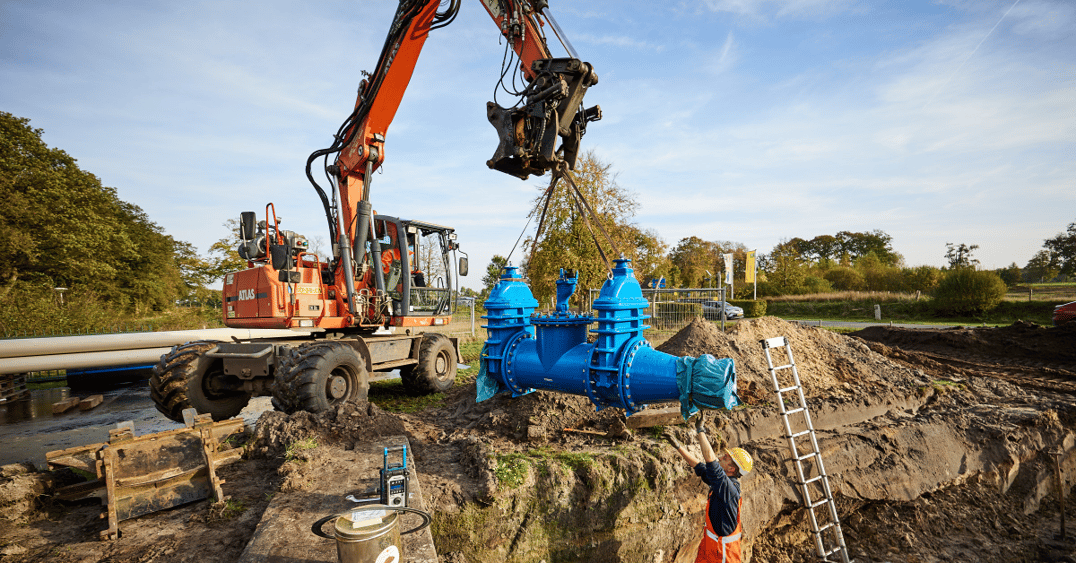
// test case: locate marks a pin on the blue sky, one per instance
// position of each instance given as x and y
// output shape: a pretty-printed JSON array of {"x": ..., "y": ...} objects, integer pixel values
[{"x": 746, "y": 120}]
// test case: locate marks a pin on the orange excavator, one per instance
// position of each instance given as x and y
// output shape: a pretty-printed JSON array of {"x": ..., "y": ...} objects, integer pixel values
[{"x": 386, "y": 272}]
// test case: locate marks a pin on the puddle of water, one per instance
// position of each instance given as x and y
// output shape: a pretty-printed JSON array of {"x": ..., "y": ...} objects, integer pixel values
[
  {"x": 39, "y": 404},
  {"x": 28, "y": 429}
]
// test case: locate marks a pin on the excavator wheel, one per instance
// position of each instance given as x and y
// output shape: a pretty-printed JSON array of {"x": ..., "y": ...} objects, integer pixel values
[
  {"x": 185, "y": 378},
  {"x": 321, "y": 376},
  {"x": 436, "y": 368}
]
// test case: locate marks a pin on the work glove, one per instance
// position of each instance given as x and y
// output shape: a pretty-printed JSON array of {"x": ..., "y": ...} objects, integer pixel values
[
  {"x": 700, "y": 422},
  {"x": 668, "y": 435}
]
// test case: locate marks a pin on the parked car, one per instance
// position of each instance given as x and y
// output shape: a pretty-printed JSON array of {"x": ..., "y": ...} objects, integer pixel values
[
  {"x": 1065, "y": 313},
  {"x": 711, "y": 310}
]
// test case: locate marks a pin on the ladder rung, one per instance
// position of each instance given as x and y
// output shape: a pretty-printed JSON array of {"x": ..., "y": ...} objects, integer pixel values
[
  {"x": 819, "y": 503},
  {"x": 813, "y": 479},
  {"x": 787, "y": 389},
  {"x": 794, "y": 411},
  {"x": 831, "y": 552},
  {"x": 824, "y": 528},
  {"x": 786, "y": 366},
  {"x": 803, "y": 433},
  {"x": 806, "y": 456}
]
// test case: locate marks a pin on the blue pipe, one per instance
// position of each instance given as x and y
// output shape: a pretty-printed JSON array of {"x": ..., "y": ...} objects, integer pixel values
[{"x": 620, "y": 369}]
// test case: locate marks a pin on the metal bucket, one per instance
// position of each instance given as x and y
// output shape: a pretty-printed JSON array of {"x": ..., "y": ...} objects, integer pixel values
[{"x": 368, "y": 535}]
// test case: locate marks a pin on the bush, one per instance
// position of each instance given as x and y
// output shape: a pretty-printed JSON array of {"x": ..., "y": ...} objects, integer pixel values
[
  {"x": 922, "y": 278},
  {"x": 966, "y": 291},
  {"x": 751, "y": 308},
  {"x": 845, "y": 279},
  {"x": 28, "y": 309},
  {"x": 815, "y": 284}
]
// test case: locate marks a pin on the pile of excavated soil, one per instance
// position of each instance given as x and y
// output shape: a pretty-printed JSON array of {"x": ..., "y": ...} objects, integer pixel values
[
  {"x": 341, "y": 427},
  {"x": 827, "y": 363}
]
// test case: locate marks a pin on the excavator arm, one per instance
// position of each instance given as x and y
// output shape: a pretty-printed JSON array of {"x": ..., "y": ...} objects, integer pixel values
[{"x": 548, "y": 108}]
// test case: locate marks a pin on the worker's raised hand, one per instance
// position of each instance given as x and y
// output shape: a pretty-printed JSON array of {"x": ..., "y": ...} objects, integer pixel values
[
  {"x": 668, "y": 435},
  {"x": 700, "y": 422}
]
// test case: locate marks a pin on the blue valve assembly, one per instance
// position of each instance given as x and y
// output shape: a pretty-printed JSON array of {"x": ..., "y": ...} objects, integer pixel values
[{"x": 526, "y": 351}]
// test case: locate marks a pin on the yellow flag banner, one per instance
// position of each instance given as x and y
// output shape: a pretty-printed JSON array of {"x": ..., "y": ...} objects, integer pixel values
[{"x": 749, "y": 273}]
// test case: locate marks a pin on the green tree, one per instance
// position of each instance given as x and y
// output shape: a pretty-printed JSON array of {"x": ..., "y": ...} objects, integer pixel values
[
  {"x": 1063, "y": 250},
  {"x": 854, "y": 245},
  {"x": 786, "y": 273},
  {"x": 1042, "y": 267},
  {"x": 59, "y": 223},
  {"x": 149, "y": 279},
  {"x": 223, "y": 256},
  {"x": 822, "y": 247},
  {"x": 197, "y": 275},
  {"x": 567, "y": 241},
  {"x": 959, "y": 256},
  {"x": 493, "y": 274},
  {"x": 649, "y": 260},
  {"x": 693, "y": 257},
  {"x": 60, "y": 227},
  {"x": 1011, "y": 275}
]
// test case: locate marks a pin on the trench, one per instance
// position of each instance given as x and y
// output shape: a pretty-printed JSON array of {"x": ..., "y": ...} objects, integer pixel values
[{"x": 948, "y": 445}]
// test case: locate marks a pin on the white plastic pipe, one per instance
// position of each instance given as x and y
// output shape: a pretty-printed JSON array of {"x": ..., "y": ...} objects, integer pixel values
[
  {"x": 23, "y": 347},
  {"x": 82, "y": 360}
]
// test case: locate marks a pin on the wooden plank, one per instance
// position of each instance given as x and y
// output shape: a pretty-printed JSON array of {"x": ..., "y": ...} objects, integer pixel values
[
  {"x": 90, "y": 402},
  {"x": 65, "y": 405},
  {"x": 13, "y": 387},
  {"x": 648, "y": 418}
]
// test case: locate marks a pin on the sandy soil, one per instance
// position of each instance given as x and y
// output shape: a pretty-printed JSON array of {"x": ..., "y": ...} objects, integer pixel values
[{"x": 888, "y": 401}]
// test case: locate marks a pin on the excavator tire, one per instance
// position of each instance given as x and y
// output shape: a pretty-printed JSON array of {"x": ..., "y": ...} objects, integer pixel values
[
  {"x": 318, "y": 377},
  {"x": 184, "y": 379},
  {"x": 436, "y": 368}
]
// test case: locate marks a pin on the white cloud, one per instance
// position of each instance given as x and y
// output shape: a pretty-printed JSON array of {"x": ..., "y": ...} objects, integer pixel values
[{"x": 770, "y": 9}]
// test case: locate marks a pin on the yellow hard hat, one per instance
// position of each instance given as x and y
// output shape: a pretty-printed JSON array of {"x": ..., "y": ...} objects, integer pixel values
[{"x": 742, "y": 459}]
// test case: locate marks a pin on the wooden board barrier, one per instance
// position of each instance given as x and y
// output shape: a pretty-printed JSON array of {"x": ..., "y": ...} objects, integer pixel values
[{"x": 144, "y": 474}]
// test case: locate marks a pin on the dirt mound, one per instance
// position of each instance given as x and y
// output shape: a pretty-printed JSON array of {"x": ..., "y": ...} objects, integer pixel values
[
  {"x": 540, "y": 415},
  {"x": 341, "y": 427},
  {"x": 1021, "y": 340},
  {"x": 827, "y": 363}
]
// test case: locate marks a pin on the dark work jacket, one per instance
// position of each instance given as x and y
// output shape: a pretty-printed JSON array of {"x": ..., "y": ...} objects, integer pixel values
[{"x": 724, "y": 497}]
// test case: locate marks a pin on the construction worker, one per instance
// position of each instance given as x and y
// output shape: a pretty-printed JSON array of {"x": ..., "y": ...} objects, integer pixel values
[{"x": 721, "y": 542}]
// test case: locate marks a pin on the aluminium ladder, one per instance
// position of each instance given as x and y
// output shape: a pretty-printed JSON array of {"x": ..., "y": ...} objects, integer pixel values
[{"x": 820, "y": 481}]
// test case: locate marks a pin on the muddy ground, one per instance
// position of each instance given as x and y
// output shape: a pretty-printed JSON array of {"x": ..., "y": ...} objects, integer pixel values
[{"x": 937, "y": 444}]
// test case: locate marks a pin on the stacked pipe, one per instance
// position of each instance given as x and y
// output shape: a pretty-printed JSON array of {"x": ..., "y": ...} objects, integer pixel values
[
  {"x": 525, "y": 351},
  {"x": 110, "y": 350}
]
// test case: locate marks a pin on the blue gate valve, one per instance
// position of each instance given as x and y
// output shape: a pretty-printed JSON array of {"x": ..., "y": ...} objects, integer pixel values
[{"x": 526, "y": 351}]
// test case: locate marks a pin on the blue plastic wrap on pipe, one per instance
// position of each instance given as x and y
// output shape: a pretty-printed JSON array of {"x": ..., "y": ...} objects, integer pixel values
[{"x": 525, "y": 352}]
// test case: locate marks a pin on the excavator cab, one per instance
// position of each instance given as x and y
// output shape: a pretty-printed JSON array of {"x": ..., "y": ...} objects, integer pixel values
[{"x": 416, "y": 268}]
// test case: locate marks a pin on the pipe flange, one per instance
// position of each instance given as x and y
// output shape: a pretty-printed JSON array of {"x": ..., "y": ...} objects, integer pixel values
[
  {"x": 506, "y": 363},
  {"x": 625, "y": 370},
  {"x": 588, "y": 379}
]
